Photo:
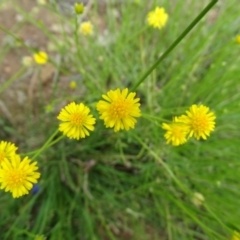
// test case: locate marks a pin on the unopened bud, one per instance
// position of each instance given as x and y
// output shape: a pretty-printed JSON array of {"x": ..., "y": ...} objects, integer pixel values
[{"x": 79, "y": 8}]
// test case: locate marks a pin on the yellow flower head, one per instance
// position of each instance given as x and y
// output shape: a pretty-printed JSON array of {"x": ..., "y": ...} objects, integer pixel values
[
  {"x": 79, "y": 8},
  {"x": 119, "y": 109},
  {"x": 176, "y": 132},
  {"x": 40, "y": 58},
  {"x": 237, "y": 39},
  {"x": 18, "y": 176},
  {"x": 76, "y": 121},
  {"x": 86, "y": 28},
  {"x": 157, "y": 18},
  {"x": 7, "y": 149},
  {"x": 199, "y": 120},
  {"x": 235, "y": 236},
  {"x": 72, "y": 84}
]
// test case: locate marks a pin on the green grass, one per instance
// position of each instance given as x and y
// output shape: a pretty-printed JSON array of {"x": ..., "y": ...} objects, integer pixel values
[{"x": 131, "y": 185}]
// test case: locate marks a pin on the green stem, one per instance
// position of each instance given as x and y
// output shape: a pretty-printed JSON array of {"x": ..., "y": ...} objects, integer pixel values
[
  {"x": 6, "y": 84},
  {"x": 32, "y": 50},
  {"x": 195, "y": 218},
  {"x": 182, "y": 186},
  {"x": 36, "y": 23},
  {"x": 49, "y": 145},
  {"x": 57, "y": 140},
  {"x": 46, "y": 144},
  {"x": 215, "y": 216},
  {"x": 16, "y": 38},
  {"x": 175, "y": 43},
  {"x": 165, "y": 166},
  {"x": 134, "y": 36},
  {"x": 153, "y": 118},
  {"x": 77, "y": 38}
]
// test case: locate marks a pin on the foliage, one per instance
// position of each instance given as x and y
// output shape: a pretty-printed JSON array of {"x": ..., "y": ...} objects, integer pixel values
[{"x": 129, "y": 184}]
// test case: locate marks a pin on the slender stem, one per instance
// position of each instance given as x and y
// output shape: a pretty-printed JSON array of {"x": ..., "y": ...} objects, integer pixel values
[
  {"x": 153, "y": 118},
  {"x": 57, "y": 140},
  {"x": 181, "y": 185},
  {"x": 39, "y": 25},
  {"x": 46, "y": 145},
  {"x": 16, "y": 38},
  {"x": 165, "y": 166},
  {"x": 215, "y": 216},
  {"x": 49, "y": 145},
  {"x": 175, "y": 43},
  {"x": 32, "y": 50},
  {"x": 16, "y": 76},
  {"x": 133, "y": 37},
  {"x": 77, "y": 38}
]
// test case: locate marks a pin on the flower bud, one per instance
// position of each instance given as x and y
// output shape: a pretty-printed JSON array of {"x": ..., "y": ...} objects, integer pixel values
[{"x": 79, "y": 8}]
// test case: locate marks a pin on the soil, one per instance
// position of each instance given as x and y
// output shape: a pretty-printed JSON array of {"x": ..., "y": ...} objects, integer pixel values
[{"x": 22, "y": 94}]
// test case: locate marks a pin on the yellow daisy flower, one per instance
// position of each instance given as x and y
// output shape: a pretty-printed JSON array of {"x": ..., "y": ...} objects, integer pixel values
[
  {"x": 76, "y": 121},
  {"x": 40, "y": 58},
  {"x": 235, "y": 236},
  {"x": 7, "y": 149},
  {"x": 199, "y": 120},
  {"x": 86, "y": 28},
  {"x": 237, "y": 39},
  {"x": 176, "y": 132},
  {"x": 119, "y": 109},
  {"x": 18, "y": 176},
  {"x": 157, "y": 18}
]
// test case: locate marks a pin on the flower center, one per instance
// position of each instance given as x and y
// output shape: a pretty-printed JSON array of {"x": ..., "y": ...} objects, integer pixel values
[
  {"x": 119, "y": 109},
  {"x": 77, "y": 119},
  {"x": 200, "y": 123},
  {"x": 177, "y": 131},
  {"x": 2, "y": 156},
  {"x": 16, "y": 178}
]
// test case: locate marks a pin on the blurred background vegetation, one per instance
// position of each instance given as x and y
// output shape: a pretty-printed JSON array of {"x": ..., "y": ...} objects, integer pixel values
[{"x": 126, "y": 185}]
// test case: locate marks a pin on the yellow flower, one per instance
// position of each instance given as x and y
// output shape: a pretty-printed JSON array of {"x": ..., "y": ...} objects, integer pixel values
[
  {"x": 236, "y": 236},
  {"x": 40, "y": 58},
  {"x": 157, "y": 18},
  {"x": 7, "y": 149},
  {"x": 86, "y": 28},
  {"x": 72, "y": 84},
  {"x": 119, "y": 109},
  {"x": 76, "y": 121},
  {"x": 79, "y": 8},
  {"x": 176, "y": 132},
  {"x": 18, "y": 176},
  {"x": 237, "y": 39},
  {"x": 199, "y": 120}
]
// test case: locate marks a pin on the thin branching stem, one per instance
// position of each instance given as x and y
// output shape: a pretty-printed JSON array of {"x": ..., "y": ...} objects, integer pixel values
[{"x": 175, "y": 43}]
